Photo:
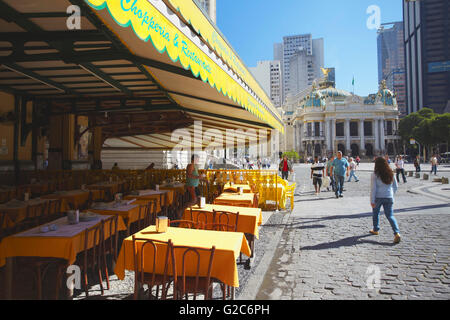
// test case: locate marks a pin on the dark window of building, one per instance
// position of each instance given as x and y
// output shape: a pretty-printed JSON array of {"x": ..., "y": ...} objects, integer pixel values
[
  {"x": 309, "y": 130},
  {"x": 354, "y": 129},
  {"x": 317, "y": 129},
  {"x": 368, "y": 131},
  {"x": 339, "y": 129},
  {"x": 389, "y": 130}
]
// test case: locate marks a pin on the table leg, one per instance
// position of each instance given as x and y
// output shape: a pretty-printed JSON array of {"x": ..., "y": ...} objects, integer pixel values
[
  {"x": 9, "y": 277},
  {"x": 233, "y": 294}
]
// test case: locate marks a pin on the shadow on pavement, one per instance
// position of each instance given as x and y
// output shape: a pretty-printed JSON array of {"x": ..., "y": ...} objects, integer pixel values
[{"x": 346, "y": 242}]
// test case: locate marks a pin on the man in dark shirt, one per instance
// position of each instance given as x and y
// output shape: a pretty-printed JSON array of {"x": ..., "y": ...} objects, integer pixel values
[{"x": 317, "y": 172}]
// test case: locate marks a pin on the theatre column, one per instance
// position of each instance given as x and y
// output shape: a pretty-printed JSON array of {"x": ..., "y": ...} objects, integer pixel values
[
  {"x": 347, "y": 136},
  {"x": 361, "y": 134},
  {"x": 377, "y": 136}
]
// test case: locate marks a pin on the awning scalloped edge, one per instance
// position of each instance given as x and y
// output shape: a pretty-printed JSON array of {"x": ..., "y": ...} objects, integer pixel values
[{"x": 149, "y": 24}]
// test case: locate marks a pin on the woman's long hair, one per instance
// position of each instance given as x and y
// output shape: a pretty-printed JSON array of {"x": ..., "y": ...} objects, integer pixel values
[{"x": 383, "y": 171}]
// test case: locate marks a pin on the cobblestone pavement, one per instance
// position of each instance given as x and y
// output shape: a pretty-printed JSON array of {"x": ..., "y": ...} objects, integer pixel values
[{"x": 326, "y": 252}]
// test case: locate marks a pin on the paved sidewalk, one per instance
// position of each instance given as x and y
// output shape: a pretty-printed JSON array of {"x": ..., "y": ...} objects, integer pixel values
[{"x": 325, "y": 251}]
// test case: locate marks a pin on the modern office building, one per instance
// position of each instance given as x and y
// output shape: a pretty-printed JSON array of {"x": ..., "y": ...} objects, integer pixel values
[
  {"x": 268, "y": 74},
  {"x": 289, "y": 48},
  {"x": 427, "y": 54},
  {"x": 391, "y": 61},
  {"x": 210, "y": 8}
]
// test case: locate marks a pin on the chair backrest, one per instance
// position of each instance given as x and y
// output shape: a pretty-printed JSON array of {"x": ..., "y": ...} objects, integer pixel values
[
  {"x": 54, "y": 207},
  {"x": 142, "y": 256},
  {"x": 37, "y": 211},
  {"x": 195, "y": 261},
  {"x": 93, "y": 254},
  {"x": 111, "y": 236},
  {"x": 187, "y": 224},
  {"x": 4, "y": 230},
  {"x": 200, "y": 216},
  {"x": 226, "y": 218},
  {"x": 147, "y": 214}
]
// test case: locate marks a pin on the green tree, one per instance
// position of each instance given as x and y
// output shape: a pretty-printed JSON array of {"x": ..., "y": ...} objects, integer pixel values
[
  {"x": 292, "y": 155},
  {"x": 440, "y": 128}
]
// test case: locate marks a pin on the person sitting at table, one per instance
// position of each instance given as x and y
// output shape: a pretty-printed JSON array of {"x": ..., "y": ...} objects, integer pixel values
[
  {"x": 115, "y": 166},
  {"x": 193, "y": 178},
  {"x": 151, "y": 166}
]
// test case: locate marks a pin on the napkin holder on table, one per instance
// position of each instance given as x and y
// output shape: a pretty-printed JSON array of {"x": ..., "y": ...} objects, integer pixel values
[
  {"x": 73, "y": 216},
  {"x": 162, "y": 223}
]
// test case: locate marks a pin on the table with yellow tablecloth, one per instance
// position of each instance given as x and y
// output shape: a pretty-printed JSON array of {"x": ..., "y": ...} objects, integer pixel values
[
  {"x": 76, "y": 198},
  {"x": 235, "y": 199},
  {"x": 224, "y": 268},
  {"x": 178, "y": 187},
  {"x": 268, "y": 192},
  {"x": 167, "y": 197},
  {"x": 234, "y": 187},
  {"x": 16, "y": 210},
  {"x": 248, "y": 221},
  {"x": 64, "y": 243},
  {"x": 129, "y": 213}
]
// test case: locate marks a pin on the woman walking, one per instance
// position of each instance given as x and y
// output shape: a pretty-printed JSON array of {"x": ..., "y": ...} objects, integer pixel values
[{"x": 383, "y": 187}]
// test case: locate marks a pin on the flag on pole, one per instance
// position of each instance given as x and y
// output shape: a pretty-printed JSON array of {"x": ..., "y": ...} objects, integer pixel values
[{"x": 353, "y": 81}]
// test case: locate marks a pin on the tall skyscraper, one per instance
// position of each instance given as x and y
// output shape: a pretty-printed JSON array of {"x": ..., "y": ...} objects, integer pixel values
[
  {"x": 268, "y": 74},
  {"x": 427, "y": 54},
  {"x": 391, "y": 61},
  {"x": 210, "y": 8},
  {"x": 291, "y": 46}
]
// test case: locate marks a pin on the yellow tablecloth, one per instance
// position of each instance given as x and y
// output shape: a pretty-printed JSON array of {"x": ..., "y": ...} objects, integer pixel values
[
  {"x": 46, "y": 245},
  {"x": 234, "y": 187},
  {"x": 18, "y": 212},
  {"x": 267, "y": 193},
  {"x": 112, "y": 187},
  {"x": 129, "y": 213},
  {"x": 235, "y": 199},
  {"x": 167, "y": 198},
  {"x": 248, "y": 222},
  {"x": 75, "y": 197},
  {"x": 228, "y": 246},
  {"x": 179, "y": 188}
]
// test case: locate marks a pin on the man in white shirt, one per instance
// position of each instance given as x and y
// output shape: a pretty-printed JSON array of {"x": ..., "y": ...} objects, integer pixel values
[
  {"x": 434, "y": 163},
  {"x": 352, "y": 166},
  {"x": 400, "y": 168}
]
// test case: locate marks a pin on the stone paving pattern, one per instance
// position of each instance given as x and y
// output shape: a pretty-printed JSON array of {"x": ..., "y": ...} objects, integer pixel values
[{"x": 326, "y": 250}]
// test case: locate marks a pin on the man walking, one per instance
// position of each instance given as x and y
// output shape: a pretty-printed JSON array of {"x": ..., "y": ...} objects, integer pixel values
[
  {"x": 417, "y": 163},
  {"x": 352, "y": 170},
  {"x": 285, "y": 167},
  {"x": 434, "y": 164},
  {"x": 317, "y": 172},
  {"x": 339, "y": 167},
  {"x": 400, "y": 168}
]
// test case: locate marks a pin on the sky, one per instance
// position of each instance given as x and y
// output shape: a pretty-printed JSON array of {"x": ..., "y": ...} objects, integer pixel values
[{"x": 253, "y": 26}]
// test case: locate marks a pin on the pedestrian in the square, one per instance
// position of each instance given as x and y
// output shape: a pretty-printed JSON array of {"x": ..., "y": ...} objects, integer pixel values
[
  {"x": 382, "y": 189},
  {"x": 417, "y": 163},
  {"x": 329, "y": 173},
  {"x": 353, "y": 166},
  {"x": 358, "y": 160},
  {"x": 285, "y": 167},
  {"x": 317, "y": 172},
  {"x": 339, "y": 168},
  {"x": 400, "y": 168},
  {"x": 434, "y": 164}
]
